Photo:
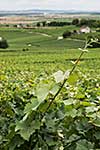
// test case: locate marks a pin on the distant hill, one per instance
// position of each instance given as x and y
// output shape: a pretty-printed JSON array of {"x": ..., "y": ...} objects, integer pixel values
[{"x": 42, "y": 12}]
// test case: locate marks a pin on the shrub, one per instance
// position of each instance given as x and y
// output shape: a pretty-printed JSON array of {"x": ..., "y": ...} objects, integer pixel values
[
  {"x": 66, "y": 34},
  {"x": 3, "y": 43},
  {"x": 38, "y": 24},
  {"x": 83, "y": 22},
  {"x": 75, "y": 21},
  {"x": 44, "y": 23}
]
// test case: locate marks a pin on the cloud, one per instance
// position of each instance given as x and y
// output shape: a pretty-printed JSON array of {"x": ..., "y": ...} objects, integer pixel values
[{"x": 50, "y": 4}]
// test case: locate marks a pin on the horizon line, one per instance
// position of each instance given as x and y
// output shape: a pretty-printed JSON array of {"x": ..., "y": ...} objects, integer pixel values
[{"x": 28, "y": 9}]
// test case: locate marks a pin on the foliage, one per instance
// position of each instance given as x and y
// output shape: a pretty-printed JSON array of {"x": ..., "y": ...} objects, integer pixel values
[
  {"x": 88, "y": 22},
  {"x": 55, "y": 23},
  {"x": 60, "y": 112},
  {"x": 73, "y": 120},
  {"x": 98, "y": 30},
  {"x": 83, "y": 22},
  {"x": 38, "y": 24},
  {"x": 66, "y": 34},
  {"x": 75, "y": 21},
  {"x": 44, "y": 23},
  {"x": 3, "y": 43},
  {"x": 95, "y": 41}
]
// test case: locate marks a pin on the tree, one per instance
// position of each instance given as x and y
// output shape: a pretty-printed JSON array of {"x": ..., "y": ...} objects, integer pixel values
[
  {"x": 44, "y": 23},
  {"x": 15, "y": 25},
  {"x": 75, "y": 21},
  {"x": 66, "y": 34},
  {"x": 3, "y": 43},
  {"x": 84, "y": 22},
  {"x": 38, "y": 24}
]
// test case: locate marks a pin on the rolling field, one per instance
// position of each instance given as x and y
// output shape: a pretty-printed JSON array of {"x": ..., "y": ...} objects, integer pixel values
[{"x": 45, "y": 50}]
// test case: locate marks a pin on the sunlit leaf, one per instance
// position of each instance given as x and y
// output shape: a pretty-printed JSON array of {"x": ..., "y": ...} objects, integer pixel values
[
  {"x": 73, "y": 78},
  {"x": 54, "y": 90},
  {"x": 42, "y": 93},
  {"x": 59, "y": 76}
]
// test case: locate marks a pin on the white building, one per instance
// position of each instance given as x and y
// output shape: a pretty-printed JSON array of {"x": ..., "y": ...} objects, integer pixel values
[
  {"x": 85, "y": 29},
  {"x": 0, "y": 38},
  {"x": 60, "y": 38}
]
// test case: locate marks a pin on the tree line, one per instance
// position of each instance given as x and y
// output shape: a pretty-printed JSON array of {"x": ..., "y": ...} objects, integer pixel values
[
  {"x": 87, "y": 22},
  {"x": 76, "y": 21},
  {"x": 52, "y": 23}
]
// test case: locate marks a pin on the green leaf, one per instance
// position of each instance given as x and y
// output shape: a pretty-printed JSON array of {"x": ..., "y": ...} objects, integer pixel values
[
  {"x": 27, "y": 128},
  {"x": 96, "y": 122},
  {"x": 61, "y": 148},
  {"x": 73, "y": 78},
  {"x": 70, "y": 111},
  {"x": 68, "y": 102},
  {"x": 0, "y": 137},
  {"x": 59, "y": 76},
  {"x": 51, "y": 123},
  {"x": 91, "y": 115},
  {"x": 50, "y": 141},
  {"x": 60, "y": 114},
  {"x": 25, "y": 134},
  {"x": 84, "y": 145},
  {"x": 20, "y": 125},
  {"x": 80, "y": 95},
  {"x": 91, "y": 109},
  {"x": 15, "y": 142},
  {"x": 73, "y": 137},
  {"x": 42, "y": 93},
  {"x": 97, "y": 135},
  {"x": 43, "y": 106},
  {"x": 54, "y": 90},
  {"x": 86, "y": 103},
  {"x": 31, "y": 106}
]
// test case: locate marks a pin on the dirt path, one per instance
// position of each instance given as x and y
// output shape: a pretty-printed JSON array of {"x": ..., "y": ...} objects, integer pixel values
[{"x": 44, "y": 34}]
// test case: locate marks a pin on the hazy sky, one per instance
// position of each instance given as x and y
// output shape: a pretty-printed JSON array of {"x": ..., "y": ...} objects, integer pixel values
[{"x": 50, "y": 4}]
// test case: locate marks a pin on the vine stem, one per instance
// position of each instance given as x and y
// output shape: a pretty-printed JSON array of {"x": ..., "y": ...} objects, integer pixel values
[{"x": 65, "y": 80}]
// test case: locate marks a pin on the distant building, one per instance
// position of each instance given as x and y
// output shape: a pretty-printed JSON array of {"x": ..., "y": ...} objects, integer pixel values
[
  {"x": 85, "y": 29},
  {"x": 0, "y": 38},
  {"x": 17, "y": 25},
  {"x": 60, "y": 38}
]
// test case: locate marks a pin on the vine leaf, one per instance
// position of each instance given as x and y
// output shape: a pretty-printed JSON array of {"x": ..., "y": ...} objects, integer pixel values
[
  {"x": 73, "y": 78},
  {"x": 97, "y": 122},
  {"x": 59, "y": 76},
  {"x": 42, "y": 93},
  {"x": 54, "y": 90},
  {"x": 27, "y": 128},
  {"x": 84, "y": 145},
  {"x": 31, "y": 106}
]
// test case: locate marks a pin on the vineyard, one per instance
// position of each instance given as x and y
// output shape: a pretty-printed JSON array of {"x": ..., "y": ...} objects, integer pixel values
[{"x": 49, "y": 92}]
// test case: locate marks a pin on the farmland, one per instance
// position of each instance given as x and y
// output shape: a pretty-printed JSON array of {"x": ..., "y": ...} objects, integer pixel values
[
  {"x": 45, "y": 50},
  {"x": 32, "y": 117}
]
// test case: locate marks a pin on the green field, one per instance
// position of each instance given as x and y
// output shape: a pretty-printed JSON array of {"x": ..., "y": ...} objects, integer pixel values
[{"x": 45, "y": 52}]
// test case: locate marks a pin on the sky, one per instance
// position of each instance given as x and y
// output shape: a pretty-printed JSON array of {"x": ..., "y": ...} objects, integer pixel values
[{"x": 50, "y": 4}]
